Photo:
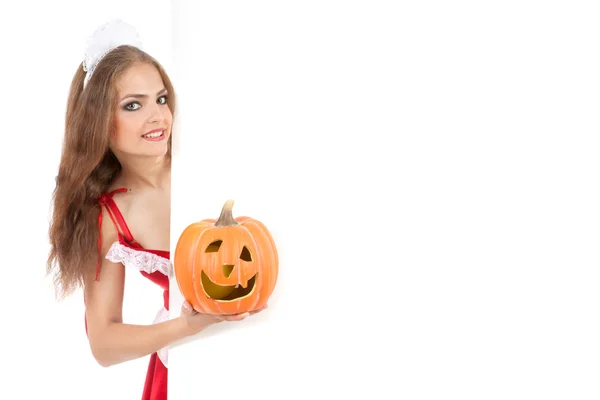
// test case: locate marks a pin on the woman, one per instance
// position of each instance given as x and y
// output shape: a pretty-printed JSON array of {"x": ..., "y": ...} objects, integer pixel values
[{"x": 116, "y": 168}]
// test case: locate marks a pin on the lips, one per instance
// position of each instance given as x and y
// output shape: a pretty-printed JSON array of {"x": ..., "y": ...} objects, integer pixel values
[
  {"x": 234, "y": 292},
  {"x": 155, "y": 133}
]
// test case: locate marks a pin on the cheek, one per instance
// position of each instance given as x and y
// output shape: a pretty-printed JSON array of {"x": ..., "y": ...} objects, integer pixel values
[
  {"x": 127, "y": 127},
  {"x": 168, "y": 116}
]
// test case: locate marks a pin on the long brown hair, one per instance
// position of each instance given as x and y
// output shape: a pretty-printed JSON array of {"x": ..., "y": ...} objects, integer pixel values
[{"x": 88, "y": 166}]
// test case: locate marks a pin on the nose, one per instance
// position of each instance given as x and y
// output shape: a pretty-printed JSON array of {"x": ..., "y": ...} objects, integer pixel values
[
  {"x": 156, "y": 114},
  {"x": 227, "y": 270}
]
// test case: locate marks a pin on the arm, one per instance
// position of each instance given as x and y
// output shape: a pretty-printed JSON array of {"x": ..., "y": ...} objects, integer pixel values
[{"x": 111, "y": 340}]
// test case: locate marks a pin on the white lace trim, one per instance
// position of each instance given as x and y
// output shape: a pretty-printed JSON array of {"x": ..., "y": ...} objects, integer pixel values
[{"x": 138, "y": 259}]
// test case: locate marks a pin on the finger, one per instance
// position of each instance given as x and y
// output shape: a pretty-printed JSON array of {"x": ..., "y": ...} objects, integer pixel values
[
  {"x": 258, "y": 310},
  {"x": 237, "y": 317},
  {"x": 187, "y": 307},
  {"x": 234, "y": 317}
]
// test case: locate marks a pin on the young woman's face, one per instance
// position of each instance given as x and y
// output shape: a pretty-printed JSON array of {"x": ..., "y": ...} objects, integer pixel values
[{"x": 143, "y": 118}]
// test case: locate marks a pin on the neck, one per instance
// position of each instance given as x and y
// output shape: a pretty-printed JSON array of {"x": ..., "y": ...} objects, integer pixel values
[{"x": 146, "y": 172}]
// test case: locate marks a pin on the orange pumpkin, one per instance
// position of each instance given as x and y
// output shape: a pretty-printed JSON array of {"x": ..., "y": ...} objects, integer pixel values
[{"x": 226, "y": 266}]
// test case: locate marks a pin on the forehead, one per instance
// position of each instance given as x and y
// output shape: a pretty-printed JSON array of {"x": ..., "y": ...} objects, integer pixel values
[{"x": 139, "y": 78}]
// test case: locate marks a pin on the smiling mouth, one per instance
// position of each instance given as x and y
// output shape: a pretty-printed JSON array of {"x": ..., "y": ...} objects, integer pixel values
[
  {"x": 226, "y": 292},
  {"x": 154, "y": 135}
]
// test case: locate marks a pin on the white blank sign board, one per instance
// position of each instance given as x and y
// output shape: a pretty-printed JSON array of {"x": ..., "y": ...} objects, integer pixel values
[{"x": 425, "y": 171}]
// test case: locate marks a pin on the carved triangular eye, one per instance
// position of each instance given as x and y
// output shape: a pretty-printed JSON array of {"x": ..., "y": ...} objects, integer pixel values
[
  {"x": 246, "y": 254},
  {"x": 214, "y": 246}
]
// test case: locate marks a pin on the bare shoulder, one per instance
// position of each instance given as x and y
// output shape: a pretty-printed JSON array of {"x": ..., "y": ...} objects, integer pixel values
[
  {"x": 147, "y": 216},
  {"x": 104, "y": 293},
  {"x": 108, "y": 236},
  {"x": 130, "y": 204},
  {"x": 125, "y": 200}
]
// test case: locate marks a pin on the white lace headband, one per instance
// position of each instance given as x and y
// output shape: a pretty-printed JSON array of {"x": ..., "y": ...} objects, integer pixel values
[{"x": 105, "y": 39}]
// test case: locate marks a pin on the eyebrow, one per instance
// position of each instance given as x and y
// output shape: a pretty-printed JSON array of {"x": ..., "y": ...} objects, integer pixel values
[{"x": 142, "y": 96}]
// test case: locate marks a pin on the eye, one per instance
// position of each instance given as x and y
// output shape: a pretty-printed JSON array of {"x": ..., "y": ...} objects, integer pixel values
[
  {"x": 164, "y": 99},
  {"x": 214, "y": 246},
  {"x": 129, "y": 106},
  {"x": 245, "y": 254}
]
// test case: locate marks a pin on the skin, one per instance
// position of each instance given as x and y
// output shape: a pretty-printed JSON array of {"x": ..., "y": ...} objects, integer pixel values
[{"x": 146, "y": 210}]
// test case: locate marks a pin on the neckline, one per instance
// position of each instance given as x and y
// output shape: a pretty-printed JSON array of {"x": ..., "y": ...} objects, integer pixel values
[
  {"x": 108, "y": 195},
  {"x": 158, "y": 252}
]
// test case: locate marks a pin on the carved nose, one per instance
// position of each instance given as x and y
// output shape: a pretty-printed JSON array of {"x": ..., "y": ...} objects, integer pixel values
[{"x": 227, "y": 270}]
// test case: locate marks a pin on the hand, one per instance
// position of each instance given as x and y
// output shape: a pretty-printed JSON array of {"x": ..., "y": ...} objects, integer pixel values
[
  {"x": 239, "y": 317},
  {"x": 196, "y": 321}
]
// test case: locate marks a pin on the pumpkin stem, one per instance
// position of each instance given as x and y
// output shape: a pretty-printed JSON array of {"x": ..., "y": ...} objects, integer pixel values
[{"x": 226, "y": 218}]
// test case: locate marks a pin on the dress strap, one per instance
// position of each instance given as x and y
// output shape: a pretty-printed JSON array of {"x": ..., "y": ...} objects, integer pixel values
[
  {"x": 117, "y": 217},
  {"x": 123, "y": 232}
]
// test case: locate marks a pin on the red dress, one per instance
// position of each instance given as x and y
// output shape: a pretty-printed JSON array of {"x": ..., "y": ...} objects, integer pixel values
[{"x": 154, "y": 265}]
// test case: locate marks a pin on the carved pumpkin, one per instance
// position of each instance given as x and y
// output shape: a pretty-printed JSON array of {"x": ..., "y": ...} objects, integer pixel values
[{"x": 226, "y": 266}]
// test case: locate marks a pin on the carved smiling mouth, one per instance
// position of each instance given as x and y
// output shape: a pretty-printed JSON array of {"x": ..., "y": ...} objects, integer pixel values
[{"x": 225, "y": 292}]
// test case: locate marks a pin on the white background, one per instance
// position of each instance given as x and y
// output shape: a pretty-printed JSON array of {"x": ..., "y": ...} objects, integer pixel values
[
  {"x": 45, "y": 347},
  {"x": 429, "y": 173}
]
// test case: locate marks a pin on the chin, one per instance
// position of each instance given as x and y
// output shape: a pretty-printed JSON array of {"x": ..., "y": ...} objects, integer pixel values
[
  {"x": 159, "y": 154},
  {"x": 158, "y": 151},
  {"x": 148, "y": 154}
]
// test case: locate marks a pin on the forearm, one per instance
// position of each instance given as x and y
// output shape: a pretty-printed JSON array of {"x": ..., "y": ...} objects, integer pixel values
[{"x": 119, "y": 342}]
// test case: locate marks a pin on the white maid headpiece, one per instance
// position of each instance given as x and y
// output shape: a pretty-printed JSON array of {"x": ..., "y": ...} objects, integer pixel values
[{"x": 108, "y": 37}]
